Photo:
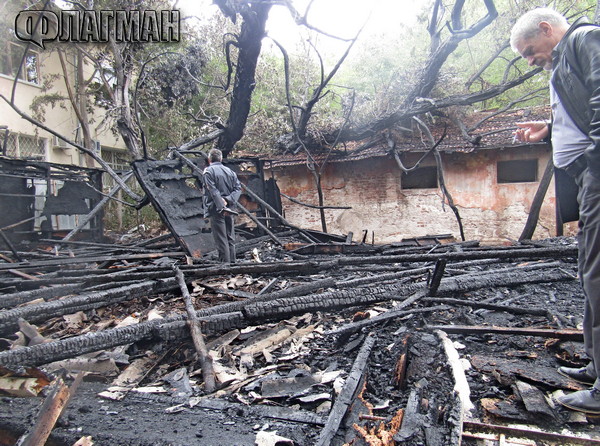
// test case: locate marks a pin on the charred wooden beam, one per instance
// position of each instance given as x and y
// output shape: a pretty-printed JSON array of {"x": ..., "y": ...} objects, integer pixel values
[
  {"x": 471, "y": 427},
  {"x": 461, "y": 385},
  {"x": 302, "y": 289},
  {"x": 507, "y": 308},
  {"x": 415, "y": 246},
  {"x": 104, "y": 246},
  {"x": 525, "y": 253},
  {"x": 168, "y": 329},
  {"x": 566, "y": 334},
  {"x": 88, "y": 277},
  {"x": 347, "y": 395},
  {"x": 268, "y": 287},
  {"x": 53, "y": 406},
  {"x": 259, "y": 411},
  {"x": 10, "y": 246},
  {"x": 153, "y": 240},
  {"x": 47, "y": 293},
  {"x": 280, "y": 308},
  {"x": 382, "y": 277},
  {"x": 412, "y": 421},
  {"x": 436, "y": 279},
  {"x": 385, "y": 317},
  {"x": 521, "y": 276},
  {"x": 273, "y": 211},
  {"x": 78, "y": 260},
  {"x": 86, "y": 301},
  {"x": 257, "y": 222}
]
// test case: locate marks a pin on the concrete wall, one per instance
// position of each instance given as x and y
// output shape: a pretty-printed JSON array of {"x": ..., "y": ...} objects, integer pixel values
[{"x": 490, "y": 212}]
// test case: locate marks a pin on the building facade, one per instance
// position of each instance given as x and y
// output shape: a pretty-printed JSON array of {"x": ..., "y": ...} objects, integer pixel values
[
  {"x": 42, "y": 76},
  {"x": 492, "y": 184}
]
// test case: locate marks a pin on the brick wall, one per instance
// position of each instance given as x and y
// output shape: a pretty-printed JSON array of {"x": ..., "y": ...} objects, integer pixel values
[{"x": 490, "y": 212}]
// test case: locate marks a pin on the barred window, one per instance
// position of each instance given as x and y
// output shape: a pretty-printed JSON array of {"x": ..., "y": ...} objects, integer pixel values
[
  {"x": 118, "y": 160},
  {"x": 11, "y": 55},
  {"x": 25, "y": 146}
]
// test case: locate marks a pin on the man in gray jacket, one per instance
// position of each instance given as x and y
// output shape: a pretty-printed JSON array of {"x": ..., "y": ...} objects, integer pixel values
[
  {"x": 545, "y": 39},
  {"x": 222, "y": 191}
]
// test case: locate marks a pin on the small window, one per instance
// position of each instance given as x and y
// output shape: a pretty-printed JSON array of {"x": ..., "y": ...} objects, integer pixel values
[
  {"x": 421, "y": 178},
  {"x": 10, "y": 59},
  {"x": 517, "y": 171}
]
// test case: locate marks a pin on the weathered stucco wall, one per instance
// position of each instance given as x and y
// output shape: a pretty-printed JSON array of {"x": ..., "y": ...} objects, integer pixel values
[{"x": 490, "y": 212}]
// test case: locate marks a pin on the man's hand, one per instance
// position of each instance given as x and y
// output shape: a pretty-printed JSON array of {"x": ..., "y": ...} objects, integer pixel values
[{"x": 531, "y": 131}]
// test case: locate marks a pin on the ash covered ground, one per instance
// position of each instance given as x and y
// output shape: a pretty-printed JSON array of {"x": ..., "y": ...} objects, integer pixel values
[{"x": 281, "y": 377}]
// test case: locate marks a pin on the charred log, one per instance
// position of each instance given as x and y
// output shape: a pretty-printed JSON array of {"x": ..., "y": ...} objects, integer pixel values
[
  {"x": 281, "y": 308},
  {"x": 46, "y": 310},
  {"x": 174, "y": 328}
]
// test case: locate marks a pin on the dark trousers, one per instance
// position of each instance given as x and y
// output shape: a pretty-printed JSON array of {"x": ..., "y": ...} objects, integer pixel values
[
  {"x": 223, "y": 233},
  {"x": 589, "y": 266}
]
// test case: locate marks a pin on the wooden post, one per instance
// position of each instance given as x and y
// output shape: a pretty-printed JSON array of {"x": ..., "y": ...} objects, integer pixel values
[{"x": 194, "y": 323}]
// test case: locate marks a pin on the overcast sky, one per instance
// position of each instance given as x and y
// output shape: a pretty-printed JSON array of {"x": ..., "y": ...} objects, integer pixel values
[{"x": 342, "y": 18}]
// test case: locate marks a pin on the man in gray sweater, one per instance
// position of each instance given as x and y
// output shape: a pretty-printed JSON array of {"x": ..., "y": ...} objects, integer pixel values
[{"x": 572, "y": 53}]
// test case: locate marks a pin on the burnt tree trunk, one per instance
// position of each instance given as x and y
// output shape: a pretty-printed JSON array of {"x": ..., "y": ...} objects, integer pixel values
[{"x": 249, "y": 44}]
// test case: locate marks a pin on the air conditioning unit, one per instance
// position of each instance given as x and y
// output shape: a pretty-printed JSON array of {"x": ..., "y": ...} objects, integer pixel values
[
  {"x": 96, "y": 146},
  {"x": 58, "y": 143}
]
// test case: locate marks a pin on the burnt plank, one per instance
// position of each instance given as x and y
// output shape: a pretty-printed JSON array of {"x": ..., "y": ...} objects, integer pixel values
[
  {"x": 534, "y": 400},
  {"x": 96, "y": 259},
  {"x": 509, "y": 370},
  {"x": 564, "y": 334},
  {"x": 347, "y": 395},
  {"x": 179, "y": 205}
]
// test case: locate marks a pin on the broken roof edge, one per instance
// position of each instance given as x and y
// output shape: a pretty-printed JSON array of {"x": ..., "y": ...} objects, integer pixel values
[
  {"x": 496, "y": 133},
  {"x": 382, "y": 152}
]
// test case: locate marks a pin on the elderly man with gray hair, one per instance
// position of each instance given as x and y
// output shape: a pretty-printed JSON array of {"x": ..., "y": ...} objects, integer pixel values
[{"x": 572, "y": 53}]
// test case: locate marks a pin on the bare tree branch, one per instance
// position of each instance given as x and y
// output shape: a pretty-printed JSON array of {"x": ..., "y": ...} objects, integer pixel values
[
  {"x": 486, "y": 65},
  {"x": 441, "y": 180},
  {"x": 312, "y": 205}
]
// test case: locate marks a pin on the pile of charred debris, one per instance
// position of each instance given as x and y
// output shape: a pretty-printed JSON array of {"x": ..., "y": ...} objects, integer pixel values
[
  {"x": 417, "y": 343},
  {"x": 309, "y": 339}
]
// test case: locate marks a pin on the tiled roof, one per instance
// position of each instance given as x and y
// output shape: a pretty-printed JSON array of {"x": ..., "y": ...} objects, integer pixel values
[{"x": 494, "y": 133}]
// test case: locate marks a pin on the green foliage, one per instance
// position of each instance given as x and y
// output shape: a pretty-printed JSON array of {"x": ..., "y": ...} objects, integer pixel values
[
  {"x": 473, "y": 53},
  {"x": 120, "y": 217}
]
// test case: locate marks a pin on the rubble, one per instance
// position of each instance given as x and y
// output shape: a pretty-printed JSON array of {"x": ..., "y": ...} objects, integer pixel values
[{"x": 447, "y": 344}]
